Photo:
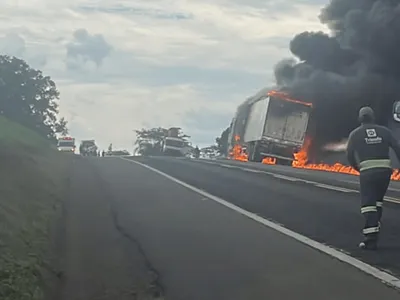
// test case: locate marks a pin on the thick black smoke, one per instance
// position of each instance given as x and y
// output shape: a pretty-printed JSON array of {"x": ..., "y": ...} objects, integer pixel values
[{"x": 357, "y": 64}]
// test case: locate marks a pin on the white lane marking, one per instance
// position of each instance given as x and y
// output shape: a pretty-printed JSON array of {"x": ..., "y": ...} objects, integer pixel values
[
  {"x": 391, "y": 199},
  {"x": 381, "y": 275},
  {"x": 357, "y": 183},
  {"x": 228, "y": 166},
  {"x": 284, "y": 177},
  {"x": 251, "y": 170},
  {"x": 348, "y": 181},
  {"x": 335, "y": 188},
  {"x": 317, "y": 184}
]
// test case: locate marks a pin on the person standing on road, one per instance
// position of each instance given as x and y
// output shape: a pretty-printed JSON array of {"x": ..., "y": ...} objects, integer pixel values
[
  {"x": 197, "y": 152},
  {"x": 368, "y": 152}
]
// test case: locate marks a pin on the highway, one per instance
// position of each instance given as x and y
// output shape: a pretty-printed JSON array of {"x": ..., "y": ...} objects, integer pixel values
[{"x": 232, "y": 230}]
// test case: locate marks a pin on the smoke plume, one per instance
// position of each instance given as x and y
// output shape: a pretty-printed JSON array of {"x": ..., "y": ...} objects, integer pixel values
[{"x": 357, "y": 64}]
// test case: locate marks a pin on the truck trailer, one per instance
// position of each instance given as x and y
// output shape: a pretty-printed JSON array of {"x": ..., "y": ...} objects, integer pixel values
[
  {"x": 270, "y": 124},
  {"x": 88, "y": 148}
]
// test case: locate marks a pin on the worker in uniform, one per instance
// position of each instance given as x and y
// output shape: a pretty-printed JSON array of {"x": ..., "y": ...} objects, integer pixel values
[{"x": 368, "y": 152}]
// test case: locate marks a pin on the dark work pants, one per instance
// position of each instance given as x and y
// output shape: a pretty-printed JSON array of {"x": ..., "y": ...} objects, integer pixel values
[{"x": 373, "y": 186}]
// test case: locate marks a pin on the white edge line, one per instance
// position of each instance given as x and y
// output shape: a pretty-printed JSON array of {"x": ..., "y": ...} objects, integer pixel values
[{"x": 368, "y": 269}]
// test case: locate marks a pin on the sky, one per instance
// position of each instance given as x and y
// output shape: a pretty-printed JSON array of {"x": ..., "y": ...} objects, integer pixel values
[{"x": 122, "y": 65}]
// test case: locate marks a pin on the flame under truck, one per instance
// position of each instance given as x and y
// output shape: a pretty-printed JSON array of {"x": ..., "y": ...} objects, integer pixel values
[{"x": 270, "y": 124}]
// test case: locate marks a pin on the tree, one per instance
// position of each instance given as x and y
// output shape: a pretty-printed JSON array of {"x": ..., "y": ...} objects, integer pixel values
[
  {"x": 61, "y": 127},
  {"x": 29, "y": 98},
  {"x": 153, "y": 134},
  {"x": 222, "y": 142}
]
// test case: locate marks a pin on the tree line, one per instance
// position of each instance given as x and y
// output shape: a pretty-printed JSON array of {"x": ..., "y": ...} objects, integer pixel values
[
  {"x": 149, "y": 141},
  {"x": 30, "y": 98}
]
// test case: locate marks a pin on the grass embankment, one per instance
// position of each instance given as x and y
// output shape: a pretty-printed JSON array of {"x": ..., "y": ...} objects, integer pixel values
[{"x": 33, "y": 183}]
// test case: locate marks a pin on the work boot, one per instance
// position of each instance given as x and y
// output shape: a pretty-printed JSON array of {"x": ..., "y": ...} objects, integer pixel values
[{"x": 368, "y": 245}]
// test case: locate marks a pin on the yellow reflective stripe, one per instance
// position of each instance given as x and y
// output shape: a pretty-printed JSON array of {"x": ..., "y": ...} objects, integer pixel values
[
  {"x": 379, "y": 203},
  {"x": 371, "y": 230},
  {"x": 367, "y": 209},
  {"x": 375, "y": 163}
]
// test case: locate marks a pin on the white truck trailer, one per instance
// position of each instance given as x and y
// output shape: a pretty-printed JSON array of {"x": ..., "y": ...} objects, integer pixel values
[{"x": 270, "y": 124}]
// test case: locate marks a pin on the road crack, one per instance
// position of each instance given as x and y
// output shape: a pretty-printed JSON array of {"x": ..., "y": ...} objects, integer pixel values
[{"x": 156, "y": 290}]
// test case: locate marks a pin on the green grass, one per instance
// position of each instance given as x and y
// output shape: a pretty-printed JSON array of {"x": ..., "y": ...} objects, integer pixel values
[{"x": 33, "y": 183}]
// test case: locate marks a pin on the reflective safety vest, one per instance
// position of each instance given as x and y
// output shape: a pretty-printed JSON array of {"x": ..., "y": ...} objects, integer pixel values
[{"x": 375, "y": 163}]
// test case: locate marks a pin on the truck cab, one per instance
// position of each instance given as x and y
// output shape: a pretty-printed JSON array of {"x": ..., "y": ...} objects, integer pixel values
[
  {"x": 172, "y": 143},
  {"x": 66, "y": 144}
]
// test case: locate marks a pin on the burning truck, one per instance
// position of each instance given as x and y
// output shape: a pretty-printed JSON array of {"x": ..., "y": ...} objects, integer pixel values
[
  {"x": 269, "y": 127},
  {"x": 273, "y": 128}
]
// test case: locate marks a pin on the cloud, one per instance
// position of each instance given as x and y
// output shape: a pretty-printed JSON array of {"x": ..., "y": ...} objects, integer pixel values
[
  {"x": 12, "y": 44},
  {"x": 86, "y": 48},
  {"x": 207, "y": 124},
  {"x": 122, "y": 64}
]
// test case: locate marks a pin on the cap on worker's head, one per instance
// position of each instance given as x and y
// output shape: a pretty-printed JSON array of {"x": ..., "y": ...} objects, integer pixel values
[{"x": 366, "y": 115}]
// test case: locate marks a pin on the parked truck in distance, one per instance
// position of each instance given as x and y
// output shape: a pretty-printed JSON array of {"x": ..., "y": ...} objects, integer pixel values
[
  {"x": 172, "y": 143},
  {"x": 270, "y": 124},
  {"x": 88, "y": 148}
]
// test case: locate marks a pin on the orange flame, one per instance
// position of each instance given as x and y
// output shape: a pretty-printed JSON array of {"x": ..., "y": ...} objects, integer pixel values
[
  {"x": 237, "y": 152},
  {"x": 285, "y": 96},
  {"x": 301, "y": 162},
  {"x": 269, "y": 161}
]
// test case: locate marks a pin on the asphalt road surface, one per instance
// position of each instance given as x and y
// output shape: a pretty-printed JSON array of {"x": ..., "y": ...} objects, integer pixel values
[{"x": 194, "y": 248}]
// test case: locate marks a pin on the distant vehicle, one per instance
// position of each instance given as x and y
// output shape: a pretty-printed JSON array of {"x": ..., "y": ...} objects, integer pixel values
[
  {"x": 88, "y": 148},
  {"x": 66, "y": 144},
  {"x": 270, "y": 124},
  {"x": 172, "y": 144}
]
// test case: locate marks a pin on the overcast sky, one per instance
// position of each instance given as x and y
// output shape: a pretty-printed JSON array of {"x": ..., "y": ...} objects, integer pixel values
[{"x": 125, "y": 64}]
